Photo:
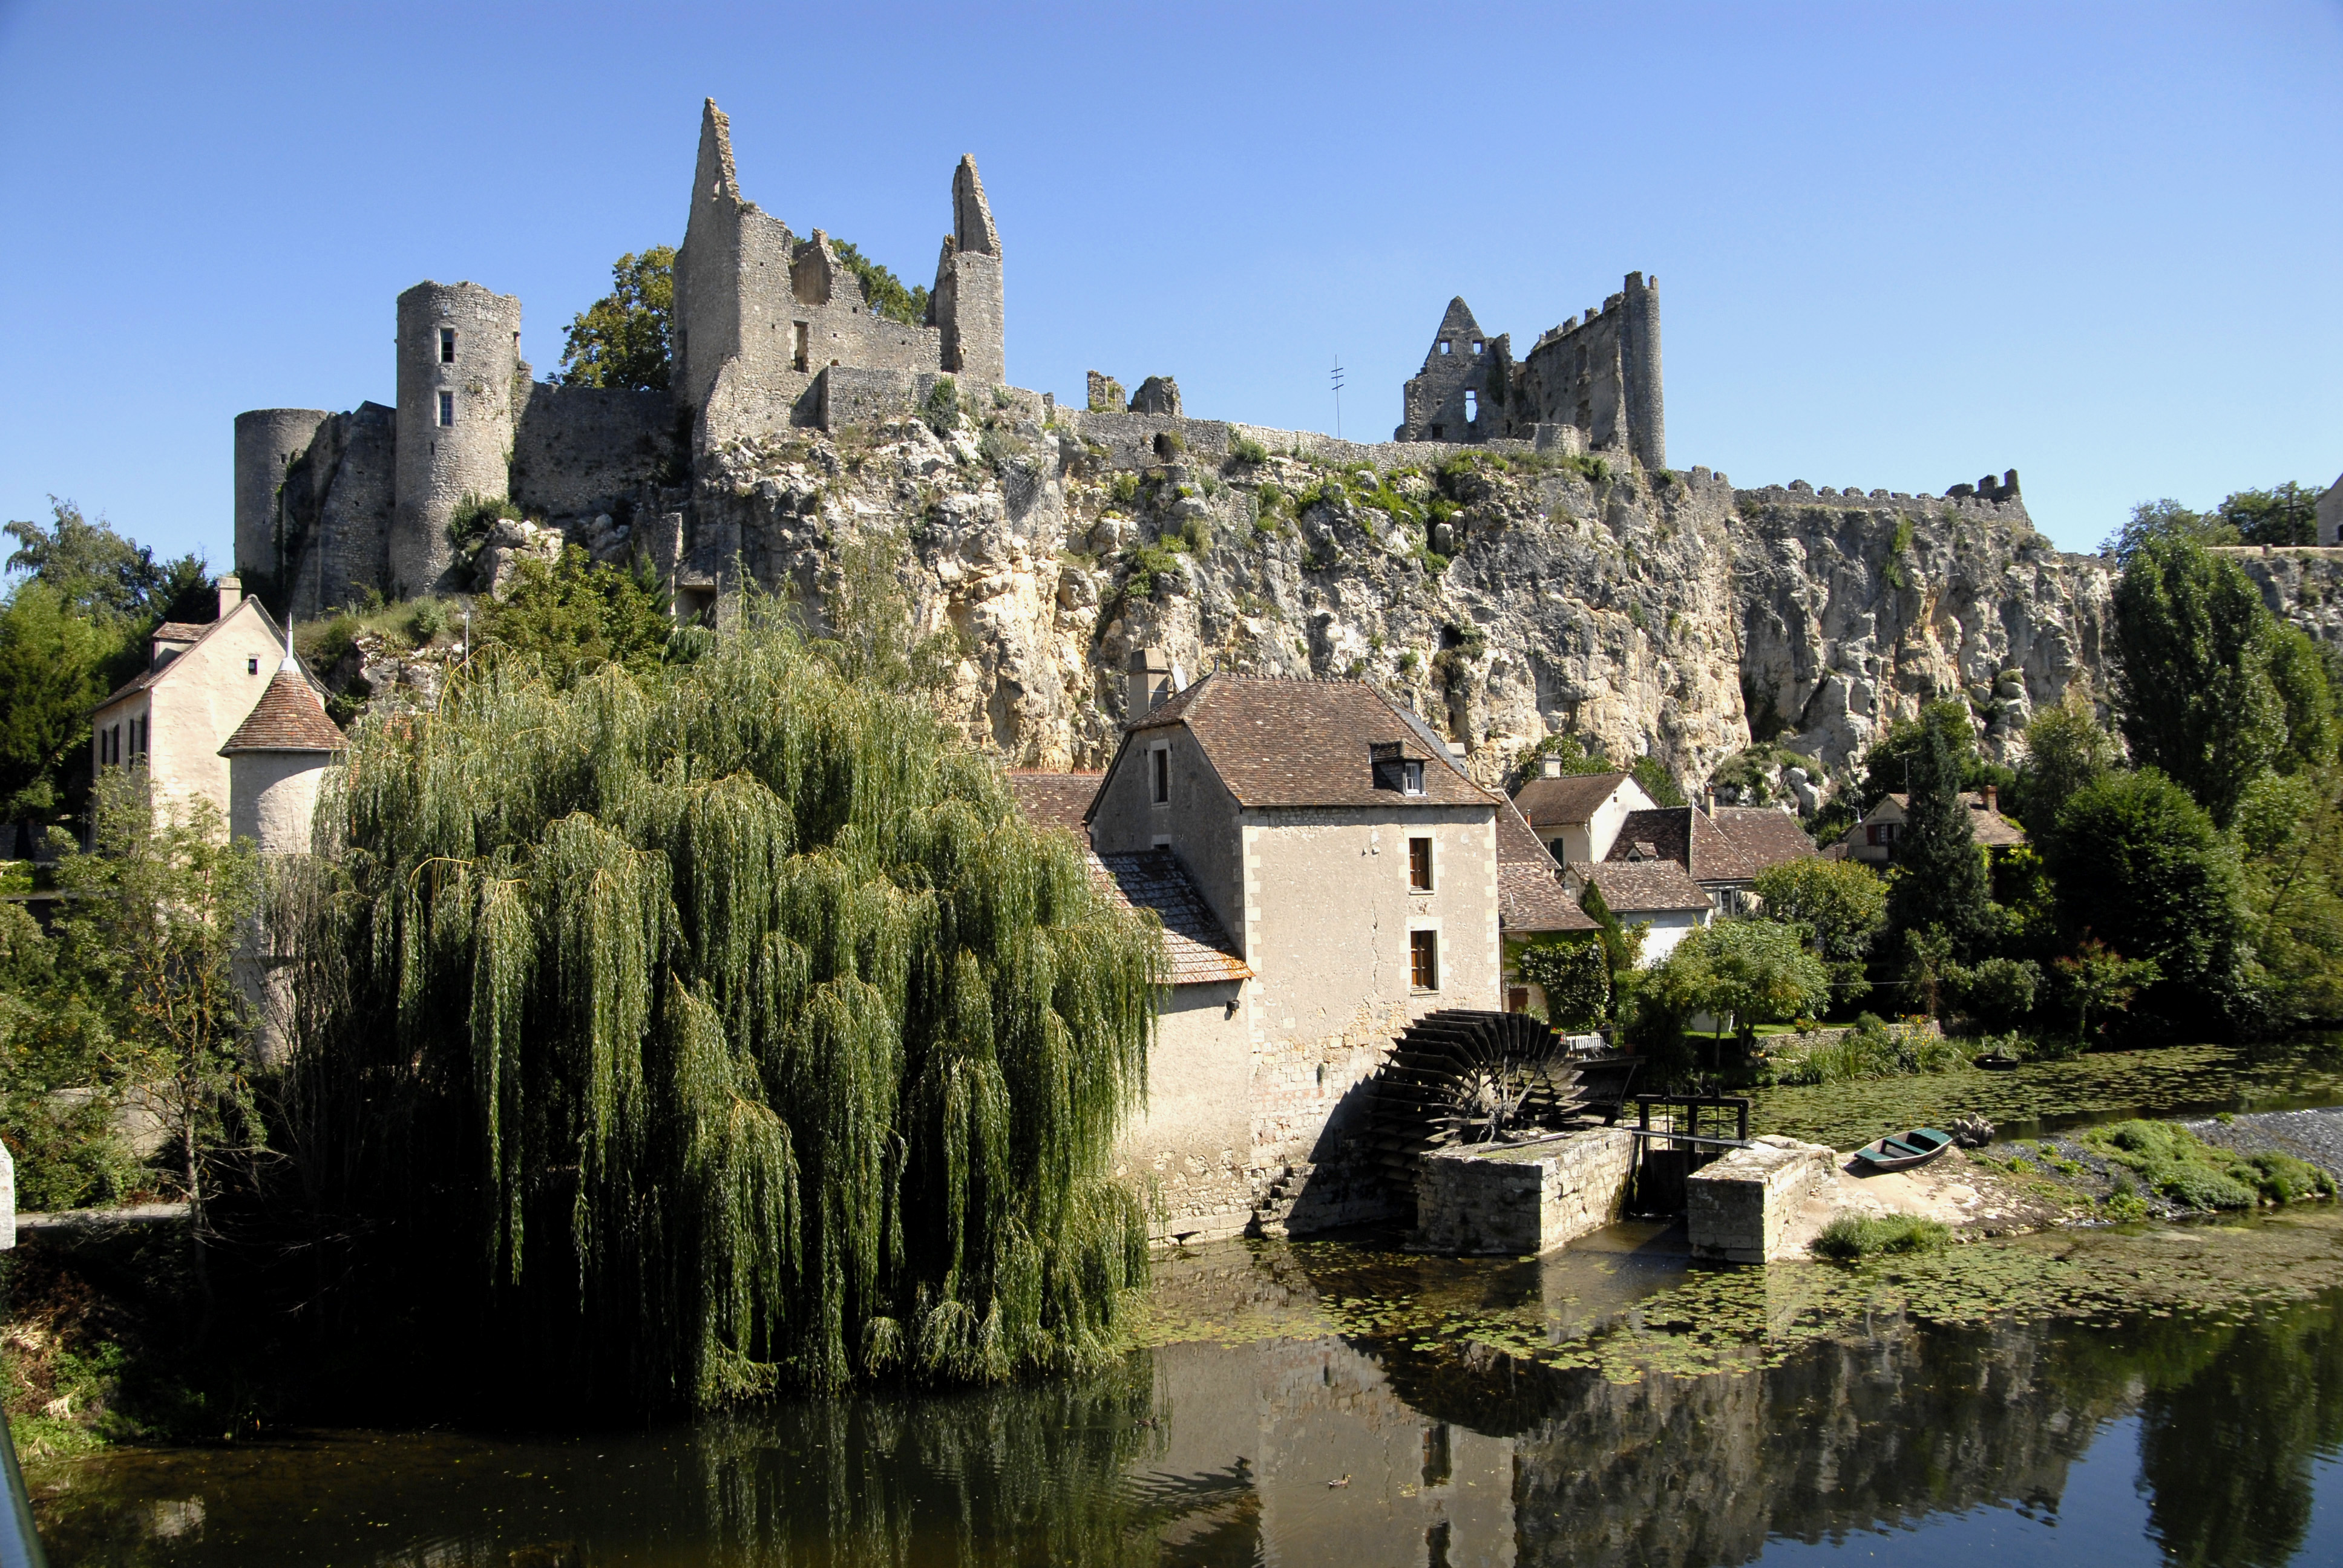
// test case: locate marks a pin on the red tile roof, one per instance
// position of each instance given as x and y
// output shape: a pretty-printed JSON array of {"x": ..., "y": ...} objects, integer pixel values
[
  {"x": 1055, "y": 799},
  {"x": 1195, "y": 942},
  {"x": 1764, "y": 834},
  {"x": 1567, "y": 801},
  {"x": 287, "y": 717},
  {"x": 1686, "y": 835},
  {"x": 1308, "y": 743}
]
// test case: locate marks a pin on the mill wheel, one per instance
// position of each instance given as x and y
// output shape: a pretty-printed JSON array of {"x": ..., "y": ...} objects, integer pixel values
[{"x": 1466, "y": 1077}]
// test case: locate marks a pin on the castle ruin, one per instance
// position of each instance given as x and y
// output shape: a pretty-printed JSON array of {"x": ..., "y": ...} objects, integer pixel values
[{"x": 770, "y": 332}]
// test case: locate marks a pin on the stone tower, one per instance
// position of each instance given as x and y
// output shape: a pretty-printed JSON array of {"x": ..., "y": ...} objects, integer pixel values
[
  {"x": 1639, "y": 348},
  {"x": 267, "y": 442},
  {"x": 968, "y": 296},
  {"x": 458, "y": 365}
]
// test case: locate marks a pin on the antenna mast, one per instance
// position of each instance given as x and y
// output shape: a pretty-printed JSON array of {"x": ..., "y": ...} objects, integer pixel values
[{"x": 1337, "y": 396}]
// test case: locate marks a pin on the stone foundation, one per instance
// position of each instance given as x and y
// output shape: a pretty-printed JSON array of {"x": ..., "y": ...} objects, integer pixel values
[
  {"x": 1521, "y": 1199},
  {"x": 1739, "y": 1208}
]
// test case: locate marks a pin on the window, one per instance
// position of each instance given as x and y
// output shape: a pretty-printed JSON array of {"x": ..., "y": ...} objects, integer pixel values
[
  {"x": 1419, "y": 865},
  {"x": 799, "y": 361},
  {"x": 1410, "y": 778},
  {"x": 447, "y": 407},
  {"x": 1439, "y": 432},
  {"x": 1472, "y": 407},
  {"x": 1517, "y": 999},
  {"x": 1424, "y": 960},
  {"x": 1159, "y": 763},
  {"x": 1444, "y": 346},
  {"x": 446, "y": 346},
  {"x": 1478, "y": 346},
  {"x": 139, "y": 728},
  {"x": 252, "y": 667}
]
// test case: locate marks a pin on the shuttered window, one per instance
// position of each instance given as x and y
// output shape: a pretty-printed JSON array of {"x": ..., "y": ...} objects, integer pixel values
[{"x": 1424, "y": 960}]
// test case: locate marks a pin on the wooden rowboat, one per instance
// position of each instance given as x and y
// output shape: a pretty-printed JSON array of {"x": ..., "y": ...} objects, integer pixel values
[
  {"x": 1904, "y": 1150},
  {"x": 1994, "y": 1061}
]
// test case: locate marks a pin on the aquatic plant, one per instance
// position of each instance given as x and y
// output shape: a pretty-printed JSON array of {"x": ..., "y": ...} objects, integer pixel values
[
  {"x": 2171, "y": 1160},
  {"x": 711, "y": 1025},
  {"x": 1851, "y": 1235}
]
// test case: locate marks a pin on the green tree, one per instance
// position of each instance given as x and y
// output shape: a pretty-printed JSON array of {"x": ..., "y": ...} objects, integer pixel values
[
  {"x": 2065, "y": 750},
  {"x": 1842, "y": 904},
  {"x": 1622, "y": 945},
  {"x": 2140, "y": 867},
  {"x": 2299, "y": 673},
  {"x": 1939, "y": 876},
  {"x": 157, "y": 911},
  {"x": 55, "y": 667},
  {"x": 1747, "y": 972},
  {"x": 1574, "y": 973},
  {"x": 869, "y": 613},
  {"x": 1886, "y": 767},
  {"x": 2285, "y": 514},
  {"x": 746, "y": 1031},
  {"x": 1654, "y": 778},
  {"x": 61, "y": 1076},
  {"x": 2166, "y": 522},
  {"x": 622, "y": 339},
  {"x": 100, "y": 575},
  {"x": 2100, "y": 981},
  {"x": 2198, "y": 659},
  {"x": 573, "y": 615},
  {"x": 885, "y": 292},
  {"x": 2290, "y": 833},
  {"x": 1571, "y": 752}
]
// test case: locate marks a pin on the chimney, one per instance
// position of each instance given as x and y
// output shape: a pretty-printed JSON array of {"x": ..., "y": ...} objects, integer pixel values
[
  {"x": 231, "y": 594},
  {"x": 1992, "y": 798},
  {"x": 1707, "y": 800},
  {"x": 1550, "y": 767},
  {"x": 1150, "y": 680}
]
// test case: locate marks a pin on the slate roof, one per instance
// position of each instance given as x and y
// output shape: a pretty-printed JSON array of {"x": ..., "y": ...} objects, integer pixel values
[
  {"x": 1643, "y": 888},
  {"x": 287, "y": 717},
  {"x": 1055, "y": 799},
  {"x": 1764, "y": 836},
  {"x": 1530, "y": 894},
  {"x": 1306, "y": 742},
  {"x": 1686, "y": 835},
  {"x": 1567, "y": 801},
  {"x": 182, "y": 630},
  {"x": 1195, "y": 943}
]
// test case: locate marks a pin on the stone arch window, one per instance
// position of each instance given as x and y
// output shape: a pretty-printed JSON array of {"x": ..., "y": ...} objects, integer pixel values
[
  {"x": 447, "y": 407},
  {"x": 446, "y": 346}
]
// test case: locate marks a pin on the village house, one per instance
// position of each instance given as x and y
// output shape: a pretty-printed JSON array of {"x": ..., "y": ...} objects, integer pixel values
[
  {"x": 1652, "y": 893},
  {"x": 201, "y": 682},
  {"x": 1678, "y": 868},
  {"x": 1326, "y": 873},
  {"x": 1577, "y": 816},
  {"x": 1873, "y": 839}
]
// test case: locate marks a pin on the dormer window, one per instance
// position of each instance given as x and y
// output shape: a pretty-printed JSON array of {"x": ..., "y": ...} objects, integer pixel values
[
  {"x": 1395, "y": 768},
  {"x": 446, "y": 346},
  {"x": 1410, "y": 778}
]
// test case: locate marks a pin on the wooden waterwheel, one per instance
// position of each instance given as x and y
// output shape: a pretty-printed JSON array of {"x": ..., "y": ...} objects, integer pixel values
[{"x": 1465, "y": 1077}]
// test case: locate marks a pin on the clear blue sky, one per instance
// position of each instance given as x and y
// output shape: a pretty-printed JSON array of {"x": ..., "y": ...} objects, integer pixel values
[{"x": 1898, "y": 244}]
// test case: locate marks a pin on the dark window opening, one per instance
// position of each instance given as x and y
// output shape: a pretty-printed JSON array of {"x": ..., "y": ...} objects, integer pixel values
[
  {"x": 1424, "y": 960},
  {"x": 1419, "y": 865},
  {"x": 447, "y": 407},
  {"x": 1436, "y": 1544},
  {"x": 799, "y": 363},
  {"x": 1440, "y": 432},
  {"x": 1160, "y": 776},
  {"x": 1438, "y": 1468},
  {"x": 1517, "y": 999},
  {"x": 252, "y": 667},
  {"x": 446, "y": 346}
]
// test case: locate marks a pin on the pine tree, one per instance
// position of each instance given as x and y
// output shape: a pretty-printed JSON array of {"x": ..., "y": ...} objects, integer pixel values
[{"x": 1939, "y": 878}]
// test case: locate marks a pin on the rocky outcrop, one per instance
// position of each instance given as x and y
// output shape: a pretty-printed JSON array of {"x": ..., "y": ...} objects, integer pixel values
[{"x": 1505, "y": 594}]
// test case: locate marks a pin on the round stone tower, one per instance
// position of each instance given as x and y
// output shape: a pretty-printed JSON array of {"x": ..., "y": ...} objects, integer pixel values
[
  {"x": 459, "y": 360},
  {"x": 266, "y": 441}
]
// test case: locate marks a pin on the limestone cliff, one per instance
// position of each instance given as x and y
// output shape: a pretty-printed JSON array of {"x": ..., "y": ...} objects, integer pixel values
[{"x": 1506, "y": 594}]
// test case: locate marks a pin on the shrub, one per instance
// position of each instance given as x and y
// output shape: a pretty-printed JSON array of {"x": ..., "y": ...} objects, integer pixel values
[
  {"x": 1245, "y": 449},
  {"x": 427, "y": 622},
  {"x": 476, "y": 514},
  {"x": 1574, "y": 972},
  {"x": 2170, "y": 1159},
  {"x": 1850, "y": 1236},
  {"x": 1124, "y": 488},
  {"x": 941, "y": 408}
]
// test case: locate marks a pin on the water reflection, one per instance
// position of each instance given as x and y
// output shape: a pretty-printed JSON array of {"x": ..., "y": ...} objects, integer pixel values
[{"x": 1288, "y": 1442}]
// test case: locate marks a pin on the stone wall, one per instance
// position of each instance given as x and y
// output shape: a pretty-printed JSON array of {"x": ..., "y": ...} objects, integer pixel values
[
  {"x": 457, "y": 412},
  {"x": 581, "y": 450},
  {"x": 1523, "y": 1199},
  {"x": 1738, "y": 1209},
  {"x": 268, "y": 441},
  {"x": 334, "y": 516}
]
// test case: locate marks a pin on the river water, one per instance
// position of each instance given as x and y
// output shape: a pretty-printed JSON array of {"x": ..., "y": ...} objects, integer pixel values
[{"x": 2170, "y": 1393}]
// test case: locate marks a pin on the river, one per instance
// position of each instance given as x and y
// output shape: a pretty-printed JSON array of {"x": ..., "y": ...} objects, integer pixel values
[{"x": 2119, "y": 1395}]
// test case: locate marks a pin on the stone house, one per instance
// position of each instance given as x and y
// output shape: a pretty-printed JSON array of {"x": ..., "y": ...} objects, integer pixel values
[
  {"x": 1723, "y": 849},
  {"x": 1325, "y": 872},
  {"x": 1652, "y": 891},
  {"x": 201, "y": 682},
  {"x": 1873, "y": 839},
  {"x": 1577, "y": 816}
]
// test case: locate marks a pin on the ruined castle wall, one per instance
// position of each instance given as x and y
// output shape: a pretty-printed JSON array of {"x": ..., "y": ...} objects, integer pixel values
[
  {"x": 707, "y": 330},
  {"x": 334, "y": 516},
  {"x": 1576, "y": 375},
  {"x": 580, "y": 450},
  {"x": 268, "y": 441},
  {"x": 456, "y": 418}
]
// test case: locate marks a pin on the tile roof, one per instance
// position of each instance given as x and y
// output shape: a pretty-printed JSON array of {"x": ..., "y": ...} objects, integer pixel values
[
  {"x": 1533, "y": 899},
  {"x": 1195, "y": 942},
  {"x": 1686, "y": 835},
  {"x": 189, "y": 632},
  {"x": 1054, "y": 800},
  {"x": 1516, "y": 843},
  {"x": 1764, "y": 836},
  {"x": 287, "y": 717},
  {"x": 1641, "y": 888},
  {"x": 182, "y": 630},
  {"x": 1990, "y": 828},
  {"x": 1306, "y": 742},
  {"x": 1567, "y": 801}
]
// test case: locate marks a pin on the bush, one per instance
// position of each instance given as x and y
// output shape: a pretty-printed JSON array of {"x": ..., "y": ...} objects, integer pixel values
[
  {"x": 2170, "y": 1159},
  {"x": 1574, "y": 972},
  {"x": 1124, "y": 488},
  {"x": 1245, "y": 449},
  {"x": 1998, "y": 992},
  {"x": 476, "y": 514},
  {"x": 941, "y": 408},
  {"x": 1852, "y": 1236},
  {"x": 427, "y": 622}
]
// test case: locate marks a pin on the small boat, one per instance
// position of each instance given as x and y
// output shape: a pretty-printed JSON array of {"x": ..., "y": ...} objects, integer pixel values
[
  {"x": 1903, "y": 1151},
  {"x": 1994, "y": 1061}
]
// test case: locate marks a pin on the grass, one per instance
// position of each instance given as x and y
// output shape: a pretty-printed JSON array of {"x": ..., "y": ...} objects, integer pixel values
[
  {"x": 1873, "y": 1048},
  {"x": 404, "y": 624},
  {"x": 2171, "y": 1161},
  {"x": 1852, "y": 1236}
]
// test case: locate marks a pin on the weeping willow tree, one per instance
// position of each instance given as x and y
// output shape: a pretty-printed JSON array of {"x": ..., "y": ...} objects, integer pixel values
[{"x": 690, "y": 1031}]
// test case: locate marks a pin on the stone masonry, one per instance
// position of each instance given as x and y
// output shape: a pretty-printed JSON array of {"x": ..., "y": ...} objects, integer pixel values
[
  {"x": 1739, "y": 1208},
  {"x": 1521, "y": 1199}
]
